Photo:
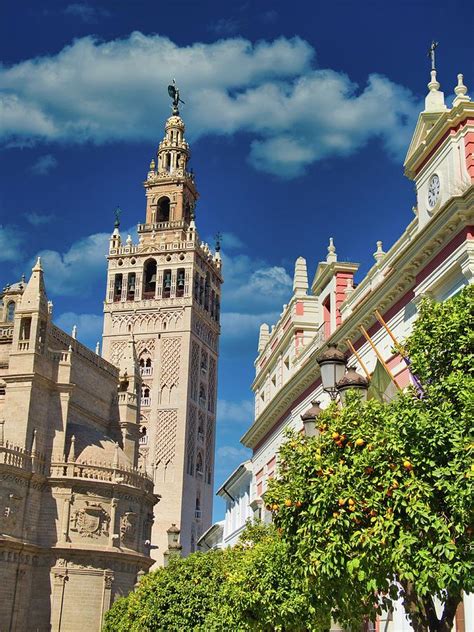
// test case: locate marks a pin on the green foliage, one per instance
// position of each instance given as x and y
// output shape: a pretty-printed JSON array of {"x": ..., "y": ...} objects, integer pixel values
[
  {"x": 381, "y": 501},
  {"x": 178, "y": 597},
  {"x": 247, "y": 588}
]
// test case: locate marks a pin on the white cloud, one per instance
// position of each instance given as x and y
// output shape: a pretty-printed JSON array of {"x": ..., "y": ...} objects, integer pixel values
[
  {"x": 294, "y": 113},
  {"x": 44, "y": 165},
  {"x": 38, "y": 219},
  {"x": 79, "y": 268},
  {"x": 85, "y": 12},
  {"x": 89, "y": 326},
  {"x": 11, "y": 241},
  {"x": 238, "y": 325},
  {"x": 254, "y": 284},
  {"x": 230, "y": 452},
  {"x": 230, "y": 413}
]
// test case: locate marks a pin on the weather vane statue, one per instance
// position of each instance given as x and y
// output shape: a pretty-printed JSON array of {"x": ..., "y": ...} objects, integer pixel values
[
  {"x": 174, "y": 94},
  {"x": 431, "y": 54},
  {"x": 117, "y": 213}
]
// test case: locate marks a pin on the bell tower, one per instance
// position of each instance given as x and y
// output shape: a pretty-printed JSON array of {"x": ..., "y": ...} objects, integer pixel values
[{"x": 165, "y": 290}]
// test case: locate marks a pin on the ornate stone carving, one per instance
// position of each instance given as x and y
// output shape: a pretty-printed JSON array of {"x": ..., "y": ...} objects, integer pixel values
[
  {"x": 128, "y": 527},
  {"x": 90, "y": 521}
]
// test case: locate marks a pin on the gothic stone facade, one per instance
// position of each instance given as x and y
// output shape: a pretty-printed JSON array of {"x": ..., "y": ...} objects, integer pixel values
[
  {"x": 166, "y": 291},
  {"x": 75, "y": 512}
]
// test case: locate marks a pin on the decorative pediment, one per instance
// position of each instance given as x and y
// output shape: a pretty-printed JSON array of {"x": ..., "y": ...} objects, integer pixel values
[{"x": 426, "y": 121}]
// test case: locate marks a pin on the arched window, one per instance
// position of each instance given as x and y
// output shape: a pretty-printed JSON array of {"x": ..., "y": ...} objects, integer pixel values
[
  {"x": 148, "y": 362},
  {"x": 207, "y": 289},
  {"x": 118, "y": 287},
  {"x": 197, "y": 511},
  {"x": 131, "y": 286},
  {"x": 10, "y": 311},
  {"x": 149, "y": 276},
  {"x": 180, "y": 282},
  {"x": 199, "y": 465},
  {"x": 143, "y": 439},
  {"x": 163, "y": 210},
  {"x": 142, "y": 363},
  {"x": 166, "y": 283},
  {"x": 145, "y": 399}
]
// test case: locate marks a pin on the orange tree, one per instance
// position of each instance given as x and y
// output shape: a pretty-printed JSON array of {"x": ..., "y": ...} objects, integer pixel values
[{"x": 378, "y": 506}]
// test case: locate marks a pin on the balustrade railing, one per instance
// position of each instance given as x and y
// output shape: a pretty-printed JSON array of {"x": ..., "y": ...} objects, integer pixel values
[
  {"x": 106, "y": 473},
  {"x": 14, "y": 456}
]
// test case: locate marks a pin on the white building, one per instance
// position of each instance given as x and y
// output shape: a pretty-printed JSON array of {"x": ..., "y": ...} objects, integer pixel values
[{"x": 434, "y": 255}]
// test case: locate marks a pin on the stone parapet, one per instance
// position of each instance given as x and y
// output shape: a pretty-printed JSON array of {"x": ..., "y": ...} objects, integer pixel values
[{"x": 103, "y": 473}]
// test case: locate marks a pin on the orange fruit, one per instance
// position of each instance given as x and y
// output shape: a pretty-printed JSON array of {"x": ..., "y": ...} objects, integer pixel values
[
  {"x": 288, "y": 502},
  {"x": 335, "y": 436},
  {"x": 359, "y": 443}
]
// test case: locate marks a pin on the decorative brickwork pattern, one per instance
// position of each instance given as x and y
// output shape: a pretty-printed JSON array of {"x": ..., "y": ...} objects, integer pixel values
[
  {"x": 211, "y": 399},
  {"x": 209, "y": 449},
  {"x": 191, "y": 440},
  {"x": 170, "y": 361},
  {"x": 117, "y": 351},
  {"x": 165, "y": 446},
  {"x": 194, "y": 377}
]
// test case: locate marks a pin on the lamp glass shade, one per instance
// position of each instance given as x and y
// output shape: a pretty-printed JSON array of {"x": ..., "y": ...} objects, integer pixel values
[
  {"x": 331, "y": 373},
  {"x": 309, "y": 426}
]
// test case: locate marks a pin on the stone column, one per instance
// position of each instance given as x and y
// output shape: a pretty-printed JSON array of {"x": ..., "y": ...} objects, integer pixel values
[
  {"x": 113, "y": 513},
  {"x": 107, "y": 593},
  {"x": 60, "y": 578}
]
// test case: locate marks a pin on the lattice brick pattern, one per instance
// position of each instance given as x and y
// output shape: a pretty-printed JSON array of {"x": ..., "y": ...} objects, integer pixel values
[
  {"x": 211, "y": 399},
  {"x": 117, "y": 351},
  {"x": 191, "y": 440},
  {"x": 165, "y": 445},
  {"x": 209, "y": 449},
  {"x": 170, "y": 360},
  {"x": 194, "y": 370}
]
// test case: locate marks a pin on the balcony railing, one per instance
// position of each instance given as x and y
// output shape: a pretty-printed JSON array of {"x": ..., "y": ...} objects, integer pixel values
[
  {"x": 104, "y": 473},
  {"x": 146, "y": 370},
  {"x": 145, "y": 402},
  {"x": 145, "y": 228},
  {"x": 143, "y": 440},
  {"x": 14, "y": 456}
]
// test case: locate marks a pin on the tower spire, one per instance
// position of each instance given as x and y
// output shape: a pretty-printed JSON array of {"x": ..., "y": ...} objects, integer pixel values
[{"x": 434, "y": 101}]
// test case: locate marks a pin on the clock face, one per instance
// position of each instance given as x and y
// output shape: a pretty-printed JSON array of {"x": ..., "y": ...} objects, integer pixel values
[{"x": 433, "y": 190}]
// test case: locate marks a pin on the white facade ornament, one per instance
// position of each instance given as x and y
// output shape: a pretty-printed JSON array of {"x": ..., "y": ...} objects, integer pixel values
[
  {"x": 332, "y": 255},
  {"x": 300, "y": 278},
  {"x": 379, "y": 254},
  {"x": 434, "y": 101},
  {"x": 461, "y": 92},
  {"x": 74, "y": 332}
]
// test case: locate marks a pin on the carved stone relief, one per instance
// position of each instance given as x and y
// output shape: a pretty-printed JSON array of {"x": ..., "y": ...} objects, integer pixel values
[{"x": 91, "y": 520}]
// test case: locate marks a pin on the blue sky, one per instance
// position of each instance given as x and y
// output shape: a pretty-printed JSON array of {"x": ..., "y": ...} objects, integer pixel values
[{"x": 299, "y": 115}]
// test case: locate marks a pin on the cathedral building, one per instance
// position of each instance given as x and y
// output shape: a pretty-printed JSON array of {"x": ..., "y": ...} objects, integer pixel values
[
  {"x": 166, "y": 291},
  {"x": 75, "y": 511},
  {"x": 105, "y": 460}
]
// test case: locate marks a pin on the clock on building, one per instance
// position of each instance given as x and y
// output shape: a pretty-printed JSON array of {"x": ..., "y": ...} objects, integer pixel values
[{"x": 433, "y": 190}]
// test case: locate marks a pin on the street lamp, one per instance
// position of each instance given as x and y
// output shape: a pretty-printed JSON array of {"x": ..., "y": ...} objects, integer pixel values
[
  {"x": 352, "y": 381},
  {"x": 309, "y": 419},
  {"x": 333, "y": 364}
]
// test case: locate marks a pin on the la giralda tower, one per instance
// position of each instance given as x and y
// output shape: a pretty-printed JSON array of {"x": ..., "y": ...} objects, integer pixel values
[{"x": 165, "y": 292}]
